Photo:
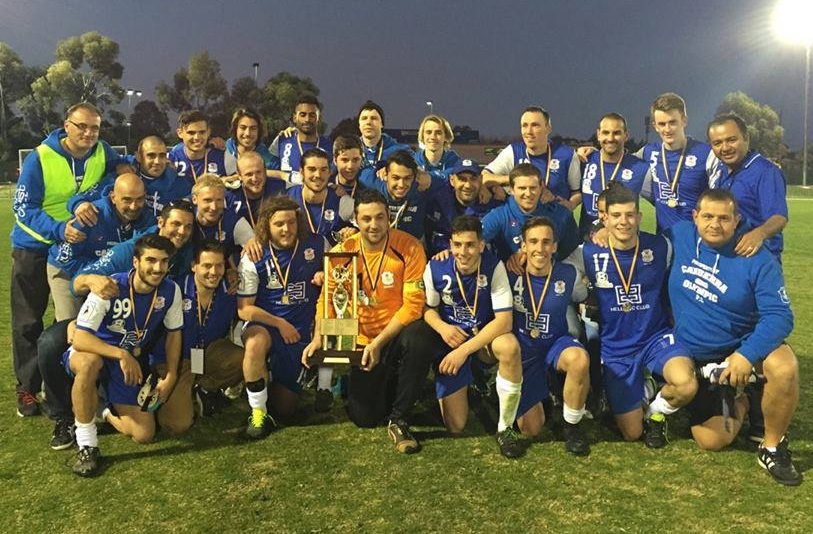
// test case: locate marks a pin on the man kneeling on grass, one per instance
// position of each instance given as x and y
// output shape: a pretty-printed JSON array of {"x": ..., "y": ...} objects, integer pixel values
[{"x": 109, "y": 336}]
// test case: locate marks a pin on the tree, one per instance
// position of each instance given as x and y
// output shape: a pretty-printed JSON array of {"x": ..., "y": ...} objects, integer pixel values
[
  {"x": 763, "y": 124},
  {"x": 147, "y": 119},
  {"x": 86, "y": 70},
  {"x": 280, "y": 94},
  {"x": 15, "y": 81}
]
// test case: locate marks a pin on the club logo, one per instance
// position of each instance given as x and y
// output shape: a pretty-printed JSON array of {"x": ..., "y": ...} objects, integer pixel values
[
  {"x": 647, "y": 256},
  {"x": 387, "y": 278}
]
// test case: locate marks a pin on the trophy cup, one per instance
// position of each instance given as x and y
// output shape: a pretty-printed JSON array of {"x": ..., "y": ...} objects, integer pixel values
[{"x": 339, "y": 326}]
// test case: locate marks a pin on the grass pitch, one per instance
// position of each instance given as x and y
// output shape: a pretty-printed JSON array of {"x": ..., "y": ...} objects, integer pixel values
[{"x": 322, "y": 474}]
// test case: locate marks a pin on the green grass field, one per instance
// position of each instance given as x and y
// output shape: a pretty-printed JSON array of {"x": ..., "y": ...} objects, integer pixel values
[{"x": 324, "y": 475}]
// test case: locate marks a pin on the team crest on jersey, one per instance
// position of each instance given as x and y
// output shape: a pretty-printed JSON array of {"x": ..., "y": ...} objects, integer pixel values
[
  {"x": 783, "y": 294},
  {"x": 559, "y": 287},
  {"x": 117, "y": 326},
  {"x": 387, "y": 278},
  {"x": 482, "y": 281},
  {"x": 554, "y": 164},
  {"x": 602, "y": 281},
  {"x": 647, "y": 256},
  {"x": 160, "y": 302},
  {"x": 186, "y": 304},
  {"x": 626, "y": 174},
  {"x": 330, "y": 215},
  {"x": 309, "y": 254},
  {"x": 691, "y": 160},
  {"x": 447, "y": 299},
  {"x": 211, "y": 167}
]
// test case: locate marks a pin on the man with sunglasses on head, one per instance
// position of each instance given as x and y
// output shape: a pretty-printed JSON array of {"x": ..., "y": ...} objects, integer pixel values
[{"x": 71, "y": 159}]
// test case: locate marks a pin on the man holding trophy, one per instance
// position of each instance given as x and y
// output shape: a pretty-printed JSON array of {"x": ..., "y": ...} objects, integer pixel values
[{"x": 388, "y": 297}]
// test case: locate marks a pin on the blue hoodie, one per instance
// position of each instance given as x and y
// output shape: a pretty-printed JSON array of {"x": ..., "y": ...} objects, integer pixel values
[
  {"x": 387, "y": 145},
  {"x": 502, "y": 227},
  {"x": 30, "y": 193},
  {"x": 448, "y": 161},
  {"x": 271, "y": 161},
  {"x": 723, "y": 302},
  {"x": 108, "y": 231}
]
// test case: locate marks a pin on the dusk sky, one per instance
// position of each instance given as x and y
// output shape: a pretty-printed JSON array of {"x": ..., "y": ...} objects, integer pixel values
[{"x": 480, "y": 62}]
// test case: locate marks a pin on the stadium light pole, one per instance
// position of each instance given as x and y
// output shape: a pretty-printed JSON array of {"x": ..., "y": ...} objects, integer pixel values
[
  {"x": 792, "y": 21},
  {"x": 430, "y": 105}
]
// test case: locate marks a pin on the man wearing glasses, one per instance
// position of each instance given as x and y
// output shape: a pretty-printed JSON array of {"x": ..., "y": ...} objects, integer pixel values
[{"x": 70, "y": 160}]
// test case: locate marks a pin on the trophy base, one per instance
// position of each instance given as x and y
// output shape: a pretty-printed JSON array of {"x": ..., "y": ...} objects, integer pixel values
[{"x": 336, "y": 357}]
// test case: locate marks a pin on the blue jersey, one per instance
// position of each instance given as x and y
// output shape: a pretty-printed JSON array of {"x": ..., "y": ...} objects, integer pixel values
[
  {"x": 108, "y": 231},
  {"x": 502, "y": 227},
  {"x": 213, "y": 162},
  {"x": 119, "y": 258},
  {"x": 408, "y": 214},
  {"x": 631, "y": 172},
  {"x": 760, "y": 189},
  {"x": 351, "y": 190},
  {"x": 270, "y": 160},
  {"x": 490, "y": 288},
  {"x": 124, "y": 323},
  {"x": 249, "y": 209},
  {"x": 290, "y": 150},
  {"x": 697, "y": 171},
  {"x": 724, "y": 302},
  {"x": 442, "y": 209},
  {"x": 223, "y": 231},
  {"x": 629, "y": 318},
  {"x": 375, "y": 156},
  {"x": 563, "y": 177},
  {"x": 328, "y": 217},
  {"x": 292, "y": 298},
  {"x": 441, "y": 169},
  {"x": 538, "y": 332}
]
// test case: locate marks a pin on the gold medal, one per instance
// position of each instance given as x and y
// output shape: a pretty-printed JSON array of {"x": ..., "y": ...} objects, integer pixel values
[
  {"x": 284, "y": 277},
  {"x": 626, "y": 307},
  {"x": 372, "y": 301},
  {"x": 672, "y": 202},
  {"x": 534, "y": 333},
  {"x": 136, "y": 352},
  {"x": 536, "y": 305},
  {"x": 626, "y": 281},
  {"x": 472, "y": 309},
  {"x": 475, "y": 330},
  {"x": 285, "y": 299}
]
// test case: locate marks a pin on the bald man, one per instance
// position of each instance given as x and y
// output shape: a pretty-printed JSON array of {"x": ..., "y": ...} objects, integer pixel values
[{"x": 118, "y": 216}]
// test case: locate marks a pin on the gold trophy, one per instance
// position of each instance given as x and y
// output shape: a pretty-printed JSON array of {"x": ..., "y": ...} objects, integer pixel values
[{"x": 340, "y": 329}]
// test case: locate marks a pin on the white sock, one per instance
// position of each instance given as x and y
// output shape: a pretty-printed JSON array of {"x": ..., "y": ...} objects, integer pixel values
[
  {"x": 258, "y": 399},
  {"x": 325, "y": 377},
  {"x": 508, "y": 394},
  {"x": 572, "y": 416},
  {"x": 660, "y": 405},
  {"x": 86, "y": 434}
]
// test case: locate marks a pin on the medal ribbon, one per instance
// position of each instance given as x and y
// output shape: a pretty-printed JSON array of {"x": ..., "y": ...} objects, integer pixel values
[
  {"x": 140, "y": 332},
  {"x": 219, "y": 229},
  {"x": 626, "y": 282},
  {"x": 321, "y": 215},
  {"x": 248, "y": 206},
  {"x": 299, "y": 144},
  {"x": 615, "y": 171},
  {"x": 284, "y": 277},
  {"x": 536, "y": 307},
  {"x": 205, "y": 165},
  {"x": 472, "y": 310},
  {"x": 677, "y": 171},
  {"x": 373, "y": 283},
  {"x": 547, "y": 168}
]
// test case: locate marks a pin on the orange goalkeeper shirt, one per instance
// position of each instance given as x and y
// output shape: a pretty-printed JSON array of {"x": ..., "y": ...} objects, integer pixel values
[{"x": 395, "y": 286}]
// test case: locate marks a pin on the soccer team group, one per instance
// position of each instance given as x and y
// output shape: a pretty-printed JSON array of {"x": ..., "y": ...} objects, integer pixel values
[{"x": 184, "y": 276}]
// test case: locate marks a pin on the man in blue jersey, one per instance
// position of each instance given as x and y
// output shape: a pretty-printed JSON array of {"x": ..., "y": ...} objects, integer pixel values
[
  {"x": 502, "y": 227},
  {"x": 461, "y": 197},
  {"x": 291, "y": 148},
  {"x": 110, "y": 334},
  {"x": 608, "y": 164},
  {"x": 628, "y": 277},
  {"x": 326, "y": 213},
  {"x": 734, "y": 311},
  {"x": 406, "y": 202},
  {"x": 193, "y": 157},
  {"x": 557, "y": 165},
  {"x": 435, "y": 155},
  {"x": 541, "y": 328},
  {"x": 277, "y": 299},
  {"x": 247, "y": 133},
  {"x": 70, "y": 160},
  {"x": 377, "y": 146},
  {"x": 757, "y": 183},
  {"x": 348, "y": 160},
  {"x": 469, "y": 315},
  {"x": 255, "y": 186},
  {"x": 680, "y": 167}
]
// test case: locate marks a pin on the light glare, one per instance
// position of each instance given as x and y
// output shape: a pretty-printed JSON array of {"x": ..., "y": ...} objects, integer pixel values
[{"x": 792, "y": 21}]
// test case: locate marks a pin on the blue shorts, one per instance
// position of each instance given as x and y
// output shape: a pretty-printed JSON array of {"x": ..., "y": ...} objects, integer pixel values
[
  {"x": 535, "y": 371},
  {"x": 624, "y": 375},
  {"x": 283, "y": 360},
  {"x": 445, "y": 385}
]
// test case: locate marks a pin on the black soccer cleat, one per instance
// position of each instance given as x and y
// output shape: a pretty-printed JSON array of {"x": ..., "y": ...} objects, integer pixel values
[
  {"x": 511, "y": 445},
  {"x": 575, "y": 440},
  {"x": 655, "y": 431},
  {"x": 88, "y": 462},
  {"x": 779, "y": 464},
  {"x": 63, "y": 436}
]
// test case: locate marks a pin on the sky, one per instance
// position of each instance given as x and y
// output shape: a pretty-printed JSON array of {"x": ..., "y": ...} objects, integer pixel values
[{"x": 480, "y": 63}]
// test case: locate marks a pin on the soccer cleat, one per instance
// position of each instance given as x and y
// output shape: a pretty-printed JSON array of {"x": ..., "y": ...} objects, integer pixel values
[
  {"x": 400, "y": 434},
  {"x": 510, "y": 443},
  {"x": 575, "y": 440},
  {"x": 655, "y": 431},
  {"x": 260, "y": 424},
  {"x": 27, "y": 405},
  {"x": 323, "y": 401},
  {"x": 63, "y": 435},
  {"x": 88, "y": 462},
  {"x": 779, "y": 464},
  {"x": 208, "y": 403}
]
